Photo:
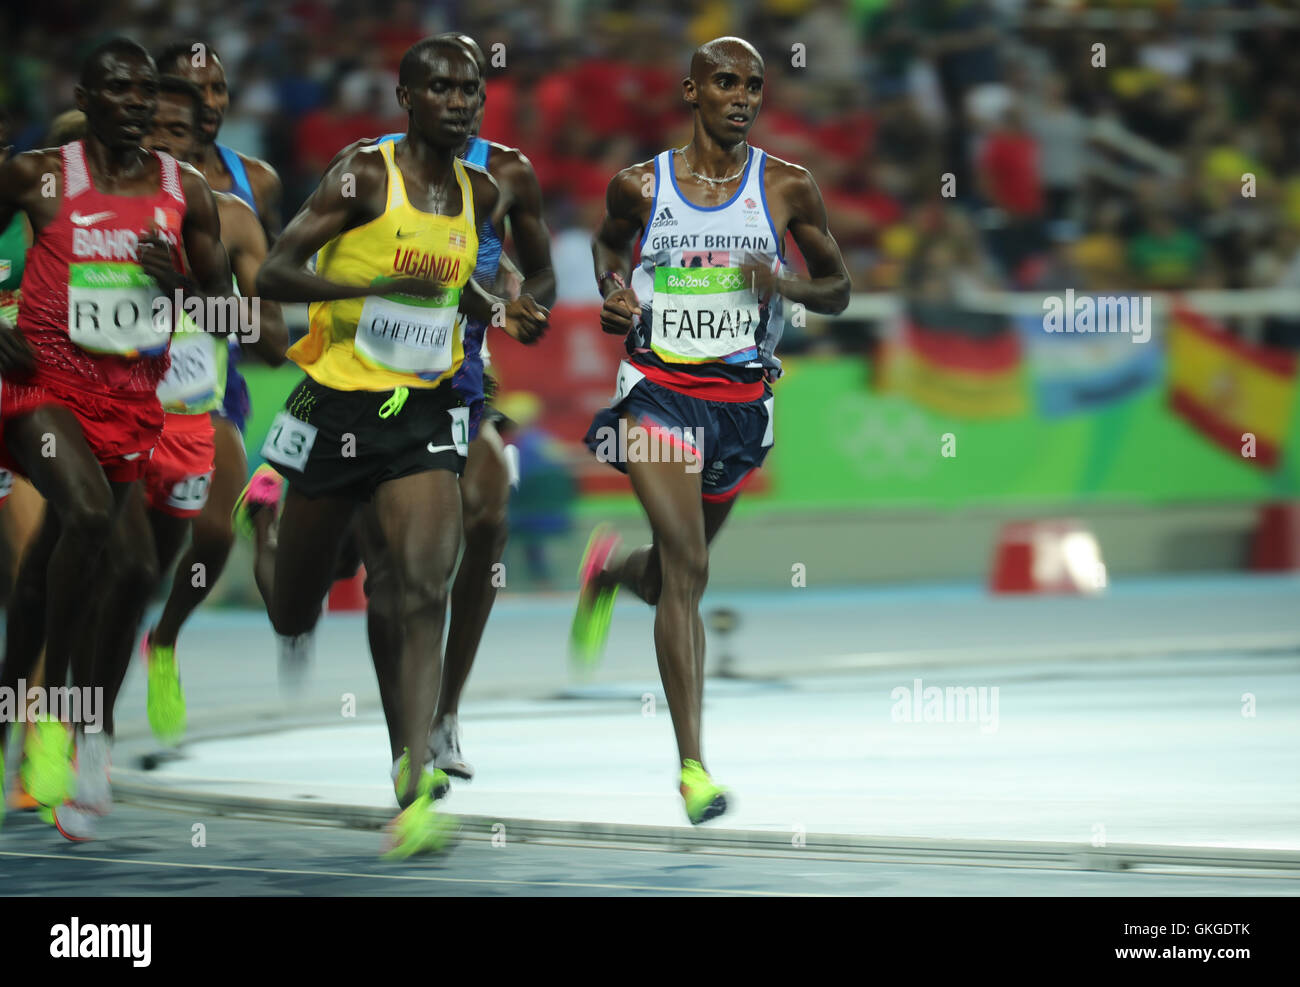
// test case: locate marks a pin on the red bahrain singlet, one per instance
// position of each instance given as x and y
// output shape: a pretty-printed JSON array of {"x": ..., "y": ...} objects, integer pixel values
[{"x": 88, "y": 307}]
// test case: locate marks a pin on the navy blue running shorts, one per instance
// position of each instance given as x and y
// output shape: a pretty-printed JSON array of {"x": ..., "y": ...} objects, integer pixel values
[{"x": 724, "y": 440}]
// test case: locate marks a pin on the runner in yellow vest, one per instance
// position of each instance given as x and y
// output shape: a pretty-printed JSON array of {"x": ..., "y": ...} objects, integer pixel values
[{"x": 378, "y": 415}]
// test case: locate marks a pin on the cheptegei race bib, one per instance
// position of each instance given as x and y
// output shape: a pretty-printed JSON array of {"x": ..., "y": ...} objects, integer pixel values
[
  {"x": 703, "y": 315},
  {"x": 193, "y": 376},
  {"x": 110, "y": 309},
  {"x": 408, "y": 335}
]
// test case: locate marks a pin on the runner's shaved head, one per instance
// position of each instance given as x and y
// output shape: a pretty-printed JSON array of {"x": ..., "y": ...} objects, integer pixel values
[
  {"x": 713, "y": 54},
  {"x": 469, "y": 43}
]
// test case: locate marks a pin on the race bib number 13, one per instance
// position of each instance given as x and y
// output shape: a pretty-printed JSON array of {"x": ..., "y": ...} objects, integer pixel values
[{"x": 289, "y": 441}]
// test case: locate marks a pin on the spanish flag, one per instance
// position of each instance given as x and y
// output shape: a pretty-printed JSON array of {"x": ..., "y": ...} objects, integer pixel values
[
  {"x": 1229, "y": 389},
  {"x": 956, "y": 363}
]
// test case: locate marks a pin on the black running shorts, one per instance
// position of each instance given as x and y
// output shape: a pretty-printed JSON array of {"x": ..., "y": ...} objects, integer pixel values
[{"x": 331, "y": 443}]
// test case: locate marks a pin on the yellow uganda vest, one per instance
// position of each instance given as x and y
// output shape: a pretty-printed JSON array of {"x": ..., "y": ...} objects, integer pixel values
[{"x": 387, "y": 341}]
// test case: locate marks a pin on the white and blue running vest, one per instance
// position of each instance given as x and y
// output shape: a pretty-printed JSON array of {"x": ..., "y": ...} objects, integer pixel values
[{"x": 698, "y": 314}]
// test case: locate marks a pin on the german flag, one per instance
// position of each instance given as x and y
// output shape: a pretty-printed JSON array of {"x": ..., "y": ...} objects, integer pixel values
[
  {"x": 1226, "y": 387},
  {"x": 956, "y": 363}
]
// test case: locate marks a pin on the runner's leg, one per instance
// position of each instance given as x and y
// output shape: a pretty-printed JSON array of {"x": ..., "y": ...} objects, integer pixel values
[
  {"x": 383, "y": 620},
  {"x": 671, "y": 499},
  {"x": 485, "y": 493},
  {"x": 213, "y": 534},
  {"x": 129, "y": 576},
  {"x": 79, "y": 495},
  {"x": 420, "y": 515},
  {"x": 310, "y": 534}
]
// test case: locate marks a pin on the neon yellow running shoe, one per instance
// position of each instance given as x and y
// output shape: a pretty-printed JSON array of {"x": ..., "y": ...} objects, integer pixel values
[
  {"x": 704, "y": 800},
  {"x": 46, "y": 769},
  {"x": 263, "y": 491},
  {"x": 420, "y": 828},
  {"x": 595, "y": 604},
  {"x": 166, "y": 702},
  {"x": 433, "y": 782}
]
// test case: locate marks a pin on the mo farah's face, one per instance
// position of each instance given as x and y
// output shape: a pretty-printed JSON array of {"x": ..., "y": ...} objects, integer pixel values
[
  {"x": 729, "y": 98},
  {"x": 121, "y": 102},
  {"x": 444, "y": 102},
  {"x": 211, "y": 80},
  {"x": 174, "y": 127}
]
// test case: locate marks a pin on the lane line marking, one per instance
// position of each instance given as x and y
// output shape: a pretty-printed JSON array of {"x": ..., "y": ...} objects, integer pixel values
[{"x": 420, "y": 877}]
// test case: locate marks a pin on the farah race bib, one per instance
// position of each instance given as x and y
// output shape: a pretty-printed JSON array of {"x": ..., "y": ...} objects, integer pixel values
[
  {"x": 110, "y": 309},
  {"x": 409, "y": 335},
  {"x": 704, "y": 315}
]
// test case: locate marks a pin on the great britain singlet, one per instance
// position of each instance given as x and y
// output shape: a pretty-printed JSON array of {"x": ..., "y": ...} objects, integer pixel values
[
  {"x": 701, "y": 330},
  {"x": 87, "y": 306},
  {"x": 386, "y": 341}
]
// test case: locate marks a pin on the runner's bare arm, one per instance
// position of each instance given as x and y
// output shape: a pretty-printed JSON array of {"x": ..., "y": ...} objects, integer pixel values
[
  {"x": 23, "y": 179},
  {"x": 611, "y": 248},
  {"x": 826, "y": 289},
  {"x": 207, "y": 260},
  {"x": 267, "y": 193},
  {"x": 247, "y": 246},
  {"x": 351, "y": 193},
  {"x": 523, "y": 318},
  {"x": 201, "y": 235},
  {"x": 528, "y": 228},
  {"x": 20, "y": 176}
]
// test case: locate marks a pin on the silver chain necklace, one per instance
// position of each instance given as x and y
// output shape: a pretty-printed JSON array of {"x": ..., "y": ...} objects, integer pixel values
[
  {"x": 715, "y": 181},
  {"x": 439, "y": 198}
]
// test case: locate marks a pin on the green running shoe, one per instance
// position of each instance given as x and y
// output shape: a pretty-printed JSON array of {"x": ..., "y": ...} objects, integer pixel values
[
  {"x": 166, "y": 702},
  {"x": 433, "y": 783},
  {"x": 264, "y": 489},
  {"x": 595, "y": 604},
  {"x": 704, "y": 800},
  {"x": 420, "y": 828},
  {"x": 46, "y": 769}
]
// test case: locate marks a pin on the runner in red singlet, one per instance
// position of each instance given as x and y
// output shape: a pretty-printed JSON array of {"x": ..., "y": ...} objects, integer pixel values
[{"x": 79, "y": 412}]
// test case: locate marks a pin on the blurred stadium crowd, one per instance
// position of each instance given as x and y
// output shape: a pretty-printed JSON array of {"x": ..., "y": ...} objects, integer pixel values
[{"x": 1064, "y": 163}]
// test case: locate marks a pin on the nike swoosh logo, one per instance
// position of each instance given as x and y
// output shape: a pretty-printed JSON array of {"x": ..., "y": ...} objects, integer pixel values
[
  {"x": 407, "y": 236},
  {"x": 436, "y": 449},
  {"x": 92, "y": 219}
]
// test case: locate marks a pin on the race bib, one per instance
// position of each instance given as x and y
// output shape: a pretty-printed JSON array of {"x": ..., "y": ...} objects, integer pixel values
[
  {"x": 410, "y": 335},
  {"x": 703, "y": 315},
  {"x": 191, "y": 494},
  {"x": 460, "y": 429},
  {"x": 289, "y": 441},
  {"x": 628, "y": 376},
  {"x": 193, "y": 376},
  {"x": 110, "y": 309}
]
